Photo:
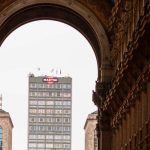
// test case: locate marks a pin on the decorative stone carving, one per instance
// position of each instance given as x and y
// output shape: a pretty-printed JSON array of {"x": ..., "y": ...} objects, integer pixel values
[{"x": 120, "y": 24}]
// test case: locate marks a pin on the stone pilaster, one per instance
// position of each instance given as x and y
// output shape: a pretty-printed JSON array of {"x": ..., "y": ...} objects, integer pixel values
[{"x": 103, "y": 126}]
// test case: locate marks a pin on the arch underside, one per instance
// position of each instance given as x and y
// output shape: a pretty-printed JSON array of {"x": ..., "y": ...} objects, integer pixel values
[{"x": 51, "y": 12}]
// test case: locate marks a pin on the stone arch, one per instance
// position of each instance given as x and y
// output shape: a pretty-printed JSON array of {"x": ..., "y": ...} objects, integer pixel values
[{"x": 69, "y": 12}]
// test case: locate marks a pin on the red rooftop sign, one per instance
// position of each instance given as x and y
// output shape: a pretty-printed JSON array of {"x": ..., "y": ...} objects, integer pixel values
[{"x": 50, "y": 80}]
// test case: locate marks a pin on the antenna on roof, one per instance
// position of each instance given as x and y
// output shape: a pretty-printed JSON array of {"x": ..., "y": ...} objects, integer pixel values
[{"x": 38, "y": 69}]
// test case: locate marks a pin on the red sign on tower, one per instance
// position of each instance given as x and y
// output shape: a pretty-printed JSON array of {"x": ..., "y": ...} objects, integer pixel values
[{"x": 50, "y": 80}]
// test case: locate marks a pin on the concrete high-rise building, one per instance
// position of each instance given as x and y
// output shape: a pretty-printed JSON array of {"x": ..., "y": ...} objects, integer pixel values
[
  {"x": 6, "y": 126},
  {"x": 49, "y": 113},
  {"x": 91, "y": 140}
]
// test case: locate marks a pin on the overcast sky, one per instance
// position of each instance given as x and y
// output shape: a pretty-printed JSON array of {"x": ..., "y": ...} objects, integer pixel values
[{"x": 46, "y": 45}]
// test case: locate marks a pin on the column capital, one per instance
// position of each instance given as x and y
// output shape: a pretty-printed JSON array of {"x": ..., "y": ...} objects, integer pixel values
[{"x": 102, "y": 88}]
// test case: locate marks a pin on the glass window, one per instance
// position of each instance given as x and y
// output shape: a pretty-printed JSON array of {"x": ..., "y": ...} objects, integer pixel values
[
  {"x": 1, "y": 137},
  {"x": 58, "y": 94},
  {"x": 67, "y": 111},
  {"x": 41, "y": 145},
  {"x": 39, "y": 94},
  {"x": 41, "y": 136},
  {"x": 49, "y": 136},
  {"x": 67, "y": 94},
  {"x": 32, "y": 119},
  {"x": 50, "y": 103},
  {"x": 45, "y": 94},
  {"x": 33, "y": 102},
  {"x": 58, "y": 137},
  {"x": 32, "y": 136},
  {"x": 41, "y": 119},
  {"x": 33, "y": 128},
  {"x": 66, "y": 103},
  {"x": 41, "y": 102},
  {"x": 66, "y": 137},
  {"x": 32, "y": 85},
  {"x": 32, "y": 111},
  {"x": 49, "y": 111},
  {"x": 64, "y": 86},
  {"x": 58, "y": 119},
  {"x": 40, "y": 85},
  {"x": 68, "y": 86},
  {"x": 32, "y": 145},
  {"x": 66, "y": 120},
  {"x": 58, "y": 146},
  {"x": 49, "y": 85},
  {"x": 54, "y": 94},
  {"x": 66, "y": 145},
  {"x": 66, "y": 128},
  {"x": 58, "y": 111},
  {"x": 58, "y": 86},
  {"x": 50, "y": 145},
  {"x": 58, "y": 103},
  {"x": 41, "y": 111}
]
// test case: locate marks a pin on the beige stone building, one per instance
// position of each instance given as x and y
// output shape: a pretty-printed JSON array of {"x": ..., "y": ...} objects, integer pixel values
[
  {"x": 91, "y": 142},
  {"x": 6, "y": 126}
]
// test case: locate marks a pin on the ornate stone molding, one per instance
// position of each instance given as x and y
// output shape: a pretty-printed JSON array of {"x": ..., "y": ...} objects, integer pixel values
[
  {"x": 127, "y": 26},
  {"x": 132, "y": 95},
  {"x": 127, "y": 58}
]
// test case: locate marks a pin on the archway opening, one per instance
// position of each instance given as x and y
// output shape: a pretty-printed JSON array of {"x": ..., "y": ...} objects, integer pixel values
[
  {"x": 60, "y": 13},
  {"x": 47, "y": 45}
]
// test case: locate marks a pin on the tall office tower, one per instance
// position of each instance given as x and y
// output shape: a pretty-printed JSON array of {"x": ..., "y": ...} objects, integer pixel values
[{"x": 49, "y": 113}]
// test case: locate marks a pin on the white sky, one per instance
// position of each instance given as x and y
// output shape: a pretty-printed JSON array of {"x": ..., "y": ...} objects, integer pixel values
[{"x": 46, "y": 45}]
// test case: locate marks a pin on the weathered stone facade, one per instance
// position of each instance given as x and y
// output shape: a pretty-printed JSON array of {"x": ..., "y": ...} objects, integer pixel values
[
  {"x": 125, "y": 107},
  {"x": 6, "y": 125},
  {"x": 119, "y": 34},
  {"x": 91, "y": 141}
]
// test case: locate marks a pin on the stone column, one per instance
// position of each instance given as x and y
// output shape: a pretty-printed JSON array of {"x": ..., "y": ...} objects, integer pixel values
[
  {"x": 105, "y": 131},
  {"x": 103, "y": 126}
]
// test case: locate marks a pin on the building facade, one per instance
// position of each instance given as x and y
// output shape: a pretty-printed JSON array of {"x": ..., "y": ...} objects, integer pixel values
[
  {"x": 49, "y": 113},
  {"x": 91, "y": 140},
  {"x": 6, "y": 126},
  {"x": 118, "y": 31}
]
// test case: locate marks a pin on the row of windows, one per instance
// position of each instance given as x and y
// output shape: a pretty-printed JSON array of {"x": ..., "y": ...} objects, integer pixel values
[
  {"x": 50, "y": 137},
  {"x": 64, "y": 120},
  {"x": 50, "y": 107},
  {"x": 48, "y": 148},
  {"x": 51, "y": 98},
  {"x": 49, "y": 111},
  {"x": 50, "y": 94},
  {"x": 48, "y": 145},
  {"x": 54, "y": 86},
  {"x": 49, "y": 128},
  {"x": 39, "y": 102}
]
